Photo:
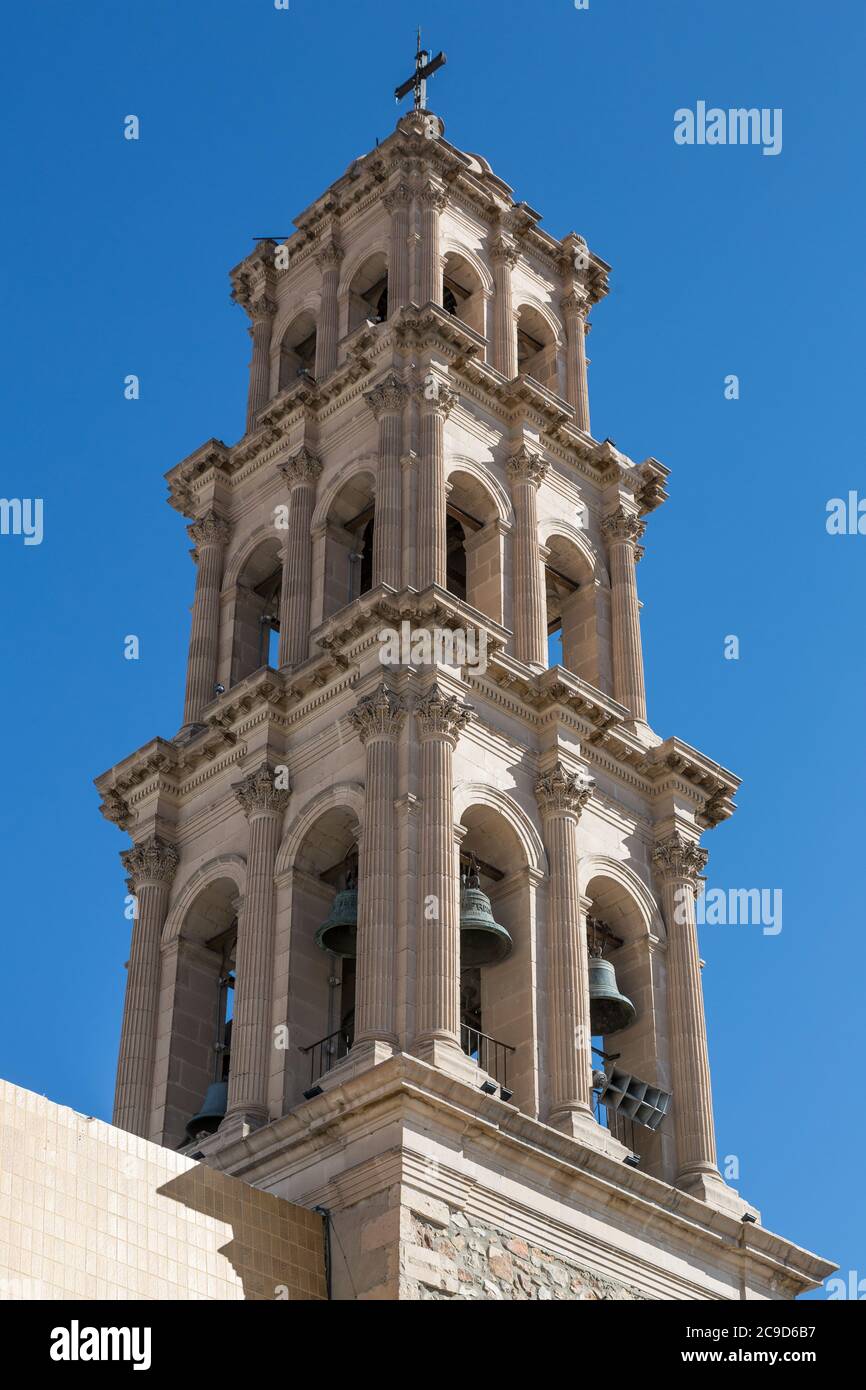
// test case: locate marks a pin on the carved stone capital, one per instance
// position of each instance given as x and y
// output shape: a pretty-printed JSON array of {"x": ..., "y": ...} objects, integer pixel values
[
  {"x": 399, "y": 197},
  {"x": 210, "y": 529},
  {"x": 442, "y": 716},
  {"x": 330, "y": 257},
  {"x": 153, "y": 861},
  {"x": 262, "y": 309},
  {"x": 621, "y": 525},
  {"x": 559, "y": 791},
  {"x": 379, "y": 715},
  {"x": 575, "y": 303},
  {"x": 388, "y": 398},
  {"x": 258, "y": 794},
  {"x": 526, "y": 466},
  {"x": 504, "y": 251},
  {"x": 678, "y": 859},
  {"x": 431, "y": 196},
  {"x": 302, "y": 467},
  {"x": 435, "y": 398}
]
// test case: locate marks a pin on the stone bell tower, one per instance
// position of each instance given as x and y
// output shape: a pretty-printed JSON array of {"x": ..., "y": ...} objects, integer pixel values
[{"x": 415, "y": 938}]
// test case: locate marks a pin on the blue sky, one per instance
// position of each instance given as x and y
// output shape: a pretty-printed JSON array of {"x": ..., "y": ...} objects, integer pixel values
[{"x": 115, "y": 260}]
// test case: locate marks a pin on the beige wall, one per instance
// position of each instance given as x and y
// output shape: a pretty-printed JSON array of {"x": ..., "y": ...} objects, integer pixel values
[{"x": 88, "y": 1211}]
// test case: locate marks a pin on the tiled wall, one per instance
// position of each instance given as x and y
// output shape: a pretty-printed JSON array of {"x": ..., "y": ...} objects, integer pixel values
[{"x": 88, "y": 1211}]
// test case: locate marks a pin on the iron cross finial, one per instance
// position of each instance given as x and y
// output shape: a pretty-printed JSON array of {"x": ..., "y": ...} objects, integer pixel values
[{"x": 417, "y": 83}]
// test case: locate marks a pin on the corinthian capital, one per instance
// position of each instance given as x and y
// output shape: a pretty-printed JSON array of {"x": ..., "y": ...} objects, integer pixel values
[
  {"x": 259, "y": 794},
  {"x": 435, "y": 397},
  {"x": 679, "y": 859},
  {"x": 329, "y": 257},
  {"x": 526, "y": 466},
  {"x": 262, "y": 308},
  {"x": 504, "y": 250},
  {"x": 575, "y": 303},
  {"x": 210, "y": 529},
  {"x": 302, "y": 467},
  {"x": 153, "y": 861},
  {"x": 399, "y": 197},
  {"x": 560, "y": 791},
  {"x": 389, "y": 397},
  {"x": 621, "y": 525},
  {"x": 379, "y": 715},
  {"x": 442, "y": 716},
  {"x": 432, "y": 196}
]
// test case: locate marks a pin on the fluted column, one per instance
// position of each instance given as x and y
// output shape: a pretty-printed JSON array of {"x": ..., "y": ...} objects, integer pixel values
[
  {"x": 432, "y": 200},
  {"x": 262, "y": 312},
  {"x": 210, "y": 534},
  {"x": 623, "y": 532},
  {"x": 263, "y": 802},
  {"x": 561, "y": 798},
  {"x": 399, "y": 205},
  {"x": 678, "y": 862},
  {"x": 504, "y": 255},
  {"x": 436, "y": 403},
  {"x": 328, "y": 260},
  {"x": 151, "y": 867},
  {"x": 301, "y": 473},
  {"x": 526, "y": 470},
  {"x": 440, "y": 719},
  {"x": 575, "y": 308},
  {"x": 377, "y": 720},
  {"x": 387, "y": 402}
]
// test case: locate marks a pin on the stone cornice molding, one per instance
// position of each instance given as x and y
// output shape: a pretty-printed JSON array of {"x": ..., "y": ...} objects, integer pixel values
[
  {"x": 677, "y": 859},
  {"x": 302, "y": 467},
  {"x": 153, "y": 861},
  {"x": 389, "y": 397},
  {"x": 442, "y": 716},
  {"x": 377, "y": 716},
  {"x": 560, "y": 792},
  {"x": 258, "y": 794}
]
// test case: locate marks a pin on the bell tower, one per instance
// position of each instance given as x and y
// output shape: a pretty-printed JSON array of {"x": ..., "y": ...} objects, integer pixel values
[{"x": 415, "y": 880}]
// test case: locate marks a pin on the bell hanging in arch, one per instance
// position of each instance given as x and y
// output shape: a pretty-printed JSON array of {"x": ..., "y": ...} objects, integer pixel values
[
  {"x": 213, "y": 1110},
  {"x": 482, "y": 940},
  {"x": 609, "y": 1011},
  {"x": 339, "y": 931}
]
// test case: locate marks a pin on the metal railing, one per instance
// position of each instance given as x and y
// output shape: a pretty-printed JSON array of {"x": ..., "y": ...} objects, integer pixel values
[
  {"x": 327, "y": 1051},
  {"x": 620, "y": 1126},
  {"x": 490, "y": 1055}
]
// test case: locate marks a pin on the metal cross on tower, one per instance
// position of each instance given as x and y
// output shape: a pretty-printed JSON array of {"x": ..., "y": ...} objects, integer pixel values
[{"x": 424, "y": 68}]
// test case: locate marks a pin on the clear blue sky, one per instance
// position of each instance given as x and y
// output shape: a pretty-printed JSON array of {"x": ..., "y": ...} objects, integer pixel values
[{"x": 115, "y": 260}]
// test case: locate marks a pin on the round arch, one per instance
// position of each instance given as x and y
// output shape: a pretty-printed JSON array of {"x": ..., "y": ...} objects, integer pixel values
[
  {"x": 380, "y": 247},
  {"x": 478, "y": 794},
  {"x": 549, "y": 528},
  {"x": 365, "y": 463},
  {"x": 346, "y": 795},
  {"x": 460, "y": 463},
  {"x": 310, "y": 304},
  {"x": 231, "y": 866},
  {"x": 266, "y": 532},
  {"x": 595, "y": 866},
  {"x": 531, "y": 301},
  {"x": 449, "y": 246}
]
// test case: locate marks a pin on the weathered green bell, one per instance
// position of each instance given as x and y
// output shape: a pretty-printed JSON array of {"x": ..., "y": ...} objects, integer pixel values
[
  {"x": 482, "y": 940},
  {"x": 213, "y": 1110},
  {"x": 609, "y": 1011},
  {"x": 339, "y": 931}
]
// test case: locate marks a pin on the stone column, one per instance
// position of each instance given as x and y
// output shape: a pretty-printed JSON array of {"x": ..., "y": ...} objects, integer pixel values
[
  {"x": 623, "y": 532},
  {"x": 328, "y": 260},
  {"x": 387, "y": 401},
  {"x": 504, "y": 255},
  {"x": 263, "y": 802},
  {"x": 399, "y": 205},
  {"x": 210, "y": 534},
  {"x": 262, "y": 311},
  {"x": 433, "y": 199},
  {"x": 377, "y": 720},
  {"x": 526, "y": 470},
  {"x": 436, "y": 403},
  {"x": 301, "y": 473},
  {"x": 441, "y": 718},
  {"x": 151, "y": 867},
  {"x": 561, "y": 798},
  {"x": 575, "y": 309},
  {"x": 678, "y": 862}
]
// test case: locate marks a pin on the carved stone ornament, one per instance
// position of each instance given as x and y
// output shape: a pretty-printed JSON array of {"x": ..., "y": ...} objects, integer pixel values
[
  {"x": 526, "y": 466},
  {"x": 388, "y": 398},
  {"x": 329, "y": 257},
  {"x": 680, "y": 859},
  {"x": 559, "y": 791},
  {"x": 262, "y": 308},
  {"x": 442, "y": 716},
  {"x": 153, "y": 861},
  {"x": 622, "y": 526},
  {"x": 210, "y": 529},
  {"x": 302, "y": 467},
  {"x": 258, "y": 794},
  {"x": 379, "y": 715},
  {"x": 504, "y": 250}
]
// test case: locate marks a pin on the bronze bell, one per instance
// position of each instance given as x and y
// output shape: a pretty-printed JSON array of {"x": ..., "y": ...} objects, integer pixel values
[
  {"x": 339, "y": 931},
  {"x": 609, "y": 1011},
  {"x": 482, "y": 940},
  {"x": 213, "y": 1110}
]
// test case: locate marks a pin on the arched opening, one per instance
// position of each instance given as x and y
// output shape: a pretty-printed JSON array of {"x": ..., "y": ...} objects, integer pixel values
[
  {"x": 255, "y": 637},
  {"x": 321, "y": 1004},
  {"x": 349, "y": 544},
  {"x": 199, "y": 980},
  {"x": 298, "y": 350},
  {"x": 536, "y": 348},
  {"x": 462, "y": 292},
  {"x": 617, "y": 933},
  {"x": 368, "y": 293},
  {"x": 473, "y": 545},
  {"x": 496, "y": 996},
  {"x": 573, "y": 618}
]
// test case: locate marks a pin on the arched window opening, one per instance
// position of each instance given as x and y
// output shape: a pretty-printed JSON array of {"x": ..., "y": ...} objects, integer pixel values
[
  {"x": 462, "y": 292},
  {"x": 473, "y": 545},
  {"x": 298, "y": 351},
  {"x": 349, "y": 544},
  {"x": 573, "y": 614},
  {"x": 368, "y": 293},
  {"x": 455, "y": 556},
  {"x": 558, "y": 589},
  {"x": 257, "y": 612},
  {"x": 536, "y": 349}
]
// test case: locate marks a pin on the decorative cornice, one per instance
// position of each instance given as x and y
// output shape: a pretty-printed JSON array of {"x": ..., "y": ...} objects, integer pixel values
[
  {"x": 303, "y": 467},
  {"x": 442, "y": 716},
  {"x": 153, "y": 861},
  {"x": 678, "y": 859},
  {"x": 389, "y": 397},
  {"x": 527, "y": 466},
  {"x": 258, "y": 795},
  {"x": 116, "y": 809},
  {"x": 561, "y": 792},
  {"x": 380, "y": 715},
  {"x": 621, "y": 525}
]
